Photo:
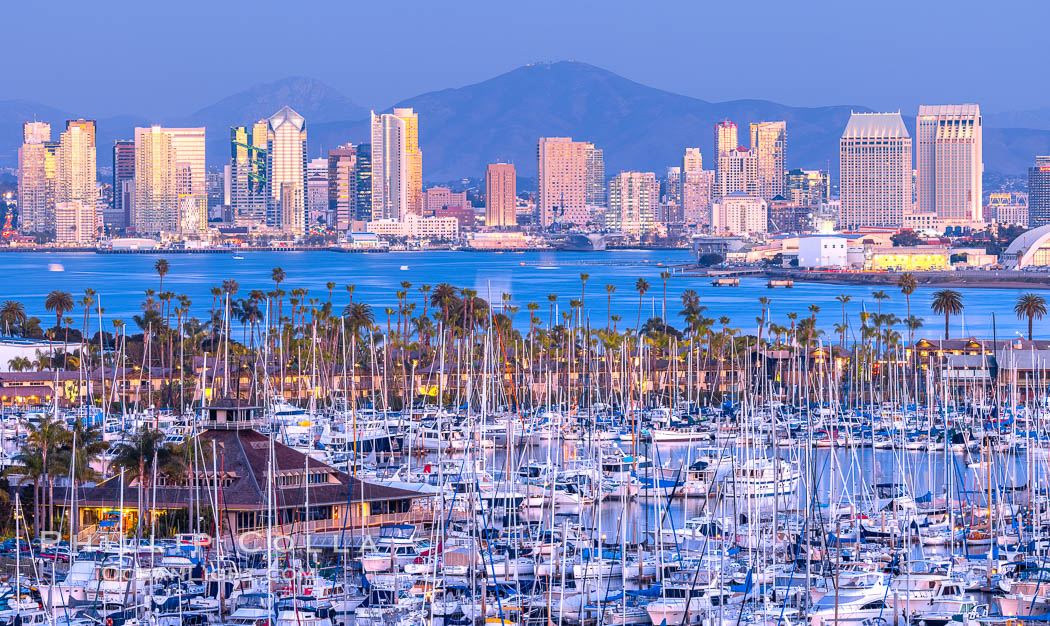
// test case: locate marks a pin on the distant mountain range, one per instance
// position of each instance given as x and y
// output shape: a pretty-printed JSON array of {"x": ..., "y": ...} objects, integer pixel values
[{"x": 463, "y": 129}]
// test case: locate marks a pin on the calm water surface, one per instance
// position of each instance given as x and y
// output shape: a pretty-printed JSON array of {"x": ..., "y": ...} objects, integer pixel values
[{"x": 528, "y": 277}]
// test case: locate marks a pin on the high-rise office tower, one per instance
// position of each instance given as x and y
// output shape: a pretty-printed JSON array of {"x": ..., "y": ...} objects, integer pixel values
[
  {"x": 123, "y": 179},
  {"x": 671, "y": 188},
  {"x": 875, "y": 176},
  {"x": 725, "y": 137},
  {"x": 562, "y": 178},
  {"x": 191, "y": 178},
  {"x": 364, "y": 183},
  {"x": 75, "y": 181},
  {"x": 695, "y": 188},
  {"x": 768, "y": 142},
  {"x": 342, "y": 186},
  {"x": 737, "y": 172},
  {"x": 397, "y": 165},
  {"x": 246, "y": 187},
  {"x": 948, "y": 160},
  {"x": 806, "y": 188},
  {"x": 317, "y": 192},
  {"x": 35, "y": 207},
  {"x": 633, "y": 201},
  {"x": 286, "y": 171},
  {"x": 595, "y": 177},
  {"x": 156, "y": 196},
  {"x": 501, "y": 195},
  {"x": 1039, "y": 192}
]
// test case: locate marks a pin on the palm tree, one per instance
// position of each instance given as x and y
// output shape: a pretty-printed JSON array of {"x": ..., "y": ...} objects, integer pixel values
[
  {"x": 161, "y": 267},
  {"x": 138, "y": 455},
  {"x": 20, "y": 364},
  {"x": 12, "y": 313},
  {"x": 29, "y": 463},
  {"x": 583, "y": 288},
  {"x": 879, "y": 296},
  {"x": 907, "y": 284},
  {"x": 552, "y": 298},
  {"x": 664, "y": 276},
  {"x": 60, "y": 302},
  {"x": 609, "y": 290},
  {"x": 843, "y": 299},
  {"x": 47, "y": 436},
  {"x": 641, "y": 286},
  {"x": 947, "y": 302},
  {"x": 89, "y": 447},
  {"x": 1032, "y": 306}
]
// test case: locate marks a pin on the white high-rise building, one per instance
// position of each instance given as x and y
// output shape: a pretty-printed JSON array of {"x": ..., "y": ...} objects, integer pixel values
[
  {"x": 397, "y": 165},
  {"x": 875, "y": 175},
  {"x": 595, "y": 177},
  {"x": 75, "y": 180},
  {"x": 317, "y": 191},
  {"x": 737, "y": 172},
  {"x": 633, "y": 200},
  {"x": 949, "y": 162},
  {"x": 695, "y": 184},
  {"x": 156, "y": 206},
  {"x": 562, "y": 178},
  {"x": 286, "y": 171},
  {"x": 769, "y": 142},
  {"x": 35, "y": 204}
]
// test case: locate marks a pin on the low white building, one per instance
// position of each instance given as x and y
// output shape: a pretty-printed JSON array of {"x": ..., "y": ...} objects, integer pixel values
[
  {"x": 823, "y": 251},
  {"x": 739, "y": 214},
  {"x": 416, "y": 227}
]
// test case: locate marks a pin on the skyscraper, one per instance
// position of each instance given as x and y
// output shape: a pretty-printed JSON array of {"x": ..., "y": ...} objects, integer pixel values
[
  {"x": 768, "y": 142},
  {"x": 595, "y": 177},
  {"x": 397, "y": 165},
  {"x": 672, "y": 186},
  {"x": 948, "y": 145},
  {"x": 342, "y": 186},
  {"x": 501, "y": 192},
  {"x": 286, "y": 171},
  {"x": 562, "y": 174},
  {"x": 725, "y": 137},
  {"x": 247, "y": 175},
  {"x": 1039, "y": 192},
  {"x": 806, "y": 188},
  {"x": 123, "y": 179},
  {"x": 364, "y": 183},
  {"x": 633, "y": 200},
  {"x": 191, "y": 179},
  {"x": 737, "y": 172},
  {"x": 36, "y": 213},
  {"x": 156, "y": 195},
  {"x": 695, "y": 186},
  {"x": 875, "y": 176},
  {"x": 75, "y": 181},
  {"x": 317, "y": 192}
]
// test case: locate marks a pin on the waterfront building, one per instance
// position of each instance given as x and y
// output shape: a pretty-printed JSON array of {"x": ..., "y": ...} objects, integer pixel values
[
  {"x": 501, "y": 195},
  {"x": 123, "y": 180},
  {"x": 823, "y": 251},
  {"x": 1030, "y": 249},
  {"x": 317, "y": 192},
  {"x": 397, "y": 165},
  {"x": 633, "y": 201},
  {"x": 562, "y": 181},
  {"x": 769, "y": 143},
  {"x": 595, "y": 177},
  {"x": 156, "y": 198},
  {"x": 806, "y": 188},
  {"x": 437, "y": 198},
  {"x": 739, "y": 213},
  {"x": 907, "y": 258},
  {"x": 363, "y": 183},
  {"x": 1039, "y": 192},
  {"x": 417, "y": 227},
  {"x": 342, "y": 186},
  {"x": 246, "y": 176},
  {"x": 286, "y": 171},
  {"x": 35, "y": 203},
  {"x": 949, "y": 163},
  {"x": 875, "y": 174},
  {"x": 76, "y": 224}
]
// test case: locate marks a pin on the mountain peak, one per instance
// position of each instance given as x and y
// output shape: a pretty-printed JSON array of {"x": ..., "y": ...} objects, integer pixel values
[{"x": 315, "y": 100}]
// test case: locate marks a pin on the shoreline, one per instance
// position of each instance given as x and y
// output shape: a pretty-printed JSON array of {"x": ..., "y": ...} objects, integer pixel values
[{"x": 994, "y": 279}]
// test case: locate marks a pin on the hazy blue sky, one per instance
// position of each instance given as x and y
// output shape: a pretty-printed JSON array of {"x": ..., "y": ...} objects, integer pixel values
[{"x": 143, "y": 57}]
